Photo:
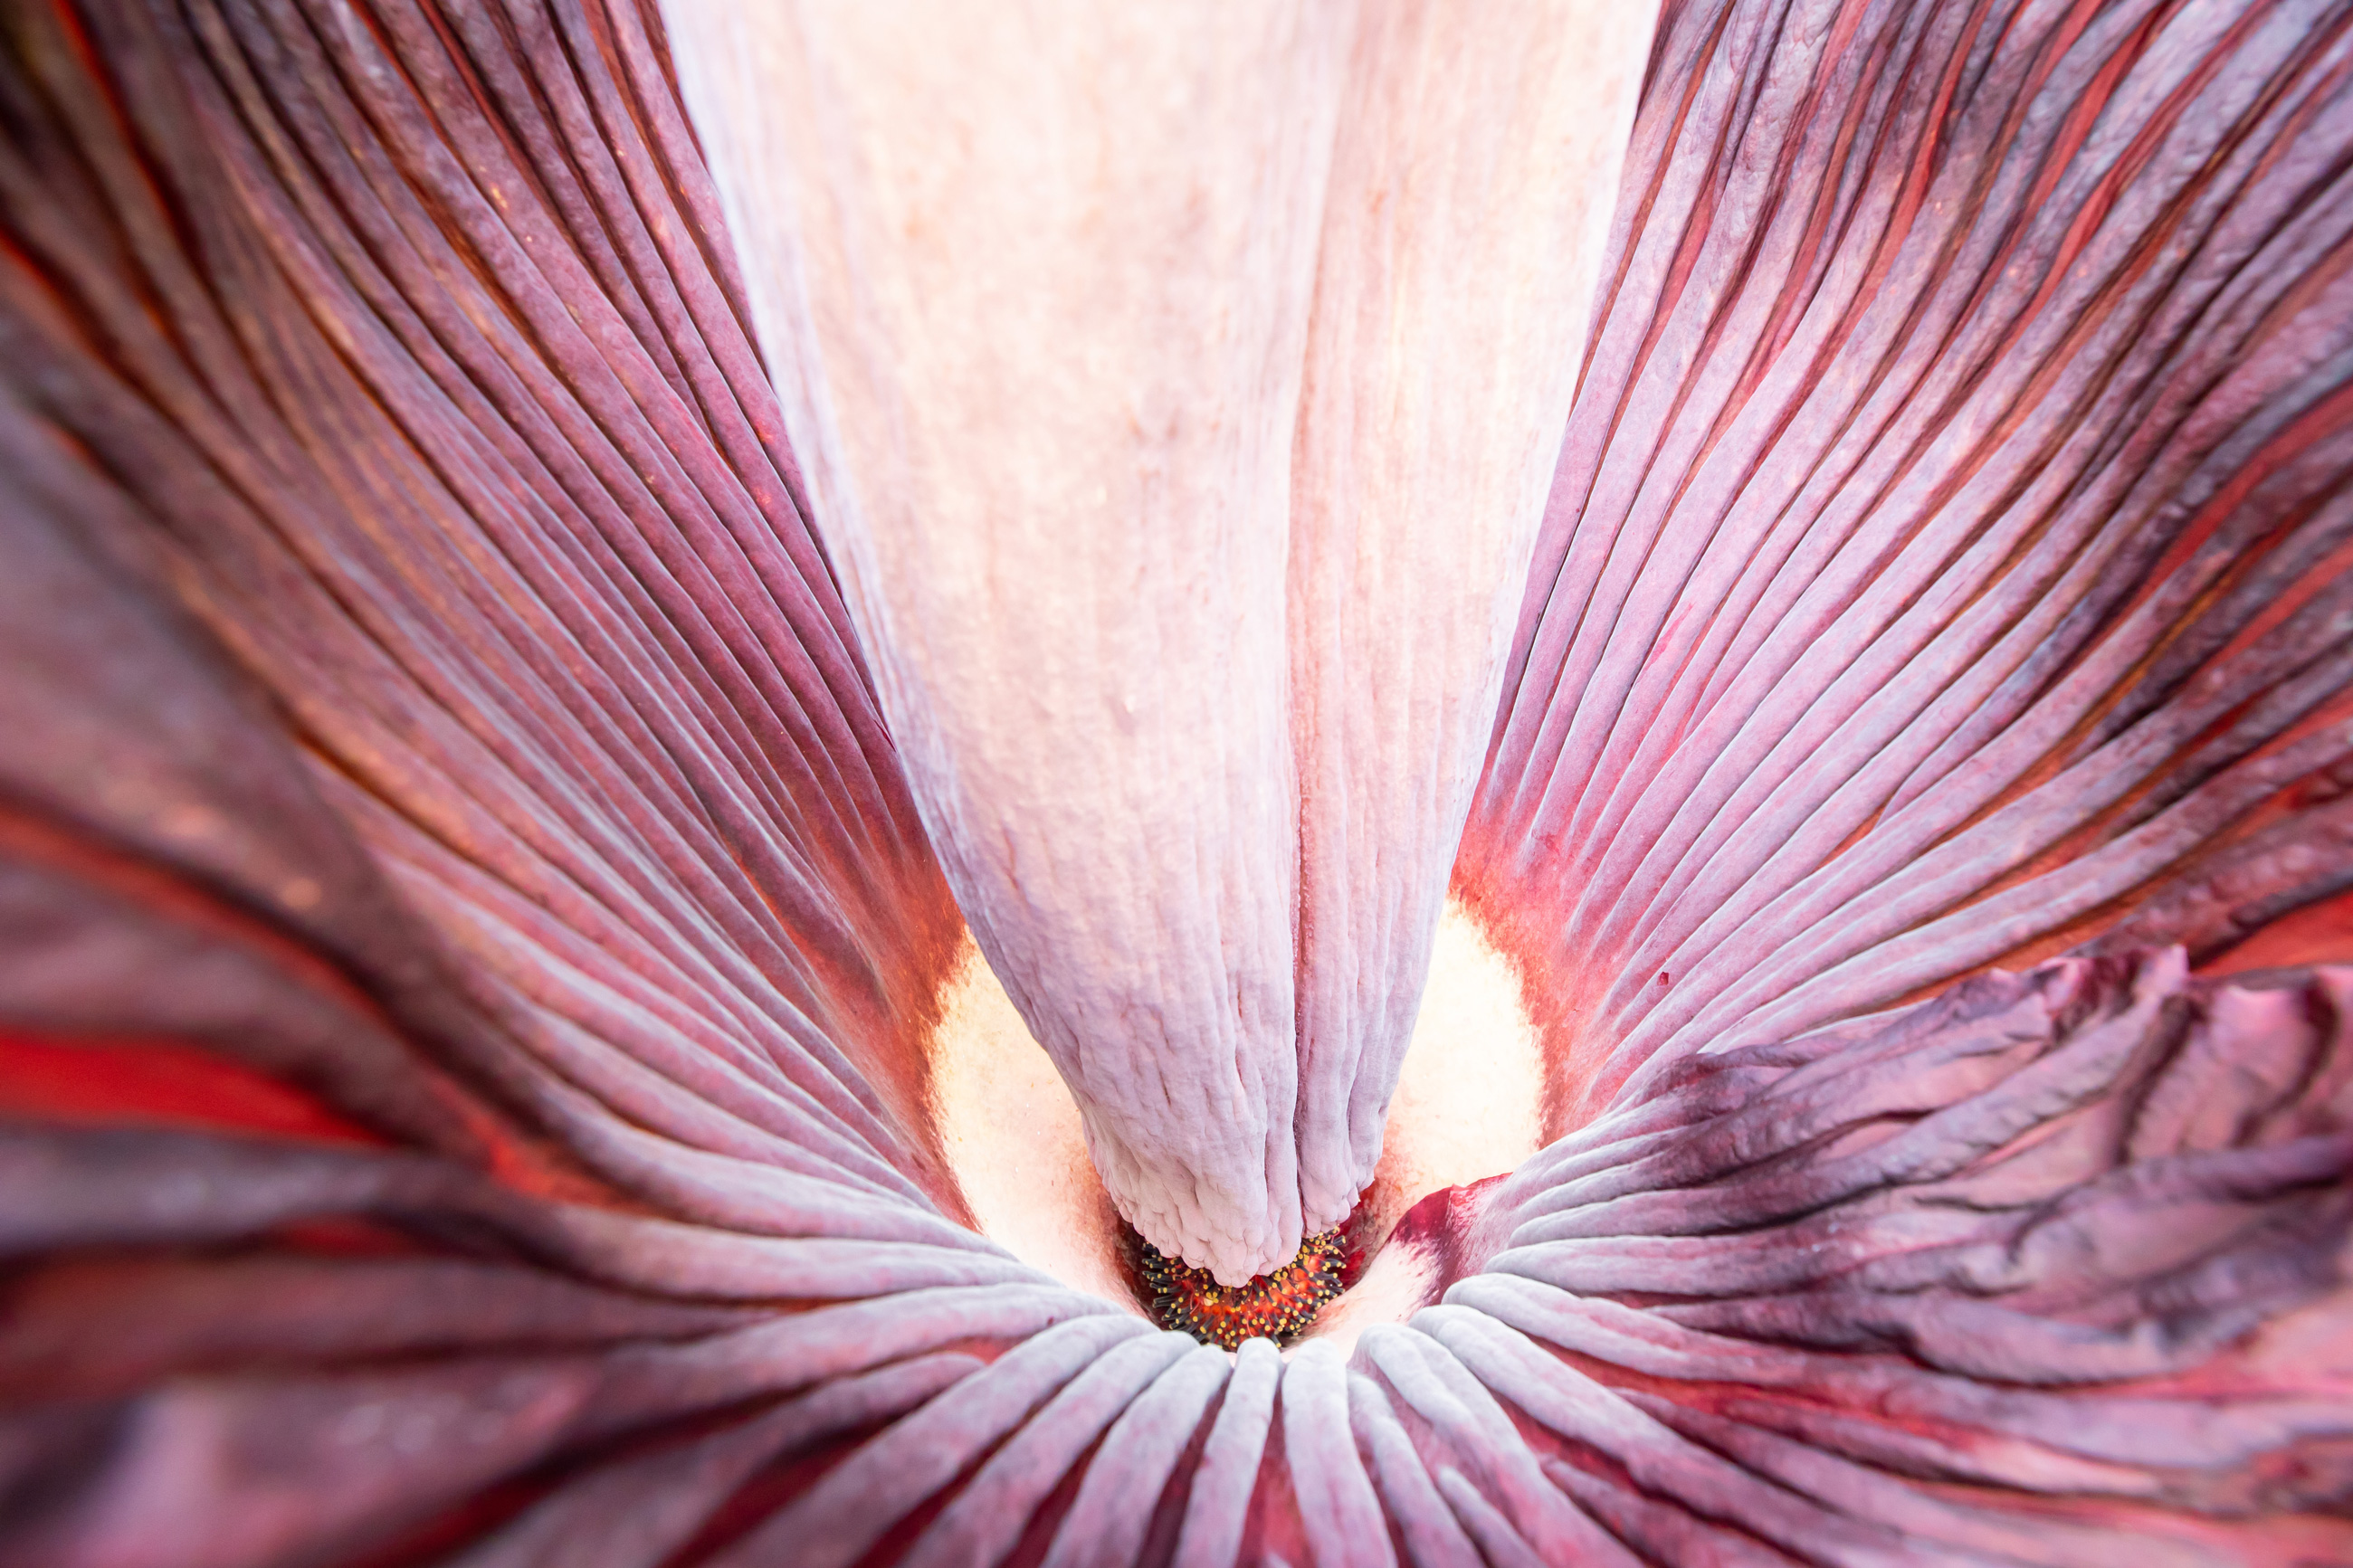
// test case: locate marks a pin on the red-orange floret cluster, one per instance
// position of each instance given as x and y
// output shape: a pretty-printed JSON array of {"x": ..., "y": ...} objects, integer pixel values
[{"x": 1275, "y": 1306}]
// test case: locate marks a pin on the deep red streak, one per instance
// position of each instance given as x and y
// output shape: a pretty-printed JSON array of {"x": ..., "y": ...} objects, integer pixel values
[{"x": 159, "y": 1083}]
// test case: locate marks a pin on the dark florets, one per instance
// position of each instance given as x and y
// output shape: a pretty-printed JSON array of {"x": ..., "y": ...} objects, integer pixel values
[{"x": 1276, "y": 1305}]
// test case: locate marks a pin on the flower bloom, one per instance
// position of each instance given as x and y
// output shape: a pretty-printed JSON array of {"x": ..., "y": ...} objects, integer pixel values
[{"x": 485, "y": 774}]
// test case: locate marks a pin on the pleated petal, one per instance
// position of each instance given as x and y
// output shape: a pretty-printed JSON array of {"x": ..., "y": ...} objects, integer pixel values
[
  {"x": 1946, "y": 563},
  {"x": 466, "y": 941}
]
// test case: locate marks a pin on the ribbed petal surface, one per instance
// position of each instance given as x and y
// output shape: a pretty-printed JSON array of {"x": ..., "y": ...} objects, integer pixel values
[
  {"x": 467, "y": 944},
  {"x": 1947, "y": 562}
]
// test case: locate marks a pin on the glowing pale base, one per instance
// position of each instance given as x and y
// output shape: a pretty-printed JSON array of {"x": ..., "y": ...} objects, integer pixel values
[{"x": 1465, "y": 1108}]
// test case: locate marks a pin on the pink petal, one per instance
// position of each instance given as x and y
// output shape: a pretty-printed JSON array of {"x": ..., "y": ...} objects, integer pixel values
[
  {"x": 1947, "y": 553},
  {"x": 468, "y": 946}
]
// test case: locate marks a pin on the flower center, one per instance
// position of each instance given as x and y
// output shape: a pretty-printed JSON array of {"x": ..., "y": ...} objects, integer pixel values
[
  {"x": 1468, "y": 1105},
  {"x": 1274, "y": 1306}
]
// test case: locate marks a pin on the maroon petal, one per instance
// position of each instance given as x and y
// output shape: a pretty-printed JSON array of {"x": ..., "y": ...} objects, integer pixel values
[
  {"x": 469, "y": 949},
  {"x": 1946, "y": 563}
]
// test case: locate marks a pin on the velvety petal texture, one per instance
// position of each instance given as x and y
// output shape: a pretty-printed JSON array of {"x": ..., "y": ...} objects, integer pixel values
[
  {"x": 468, "y": 944},
  {"x": 1948, "y": 565}
]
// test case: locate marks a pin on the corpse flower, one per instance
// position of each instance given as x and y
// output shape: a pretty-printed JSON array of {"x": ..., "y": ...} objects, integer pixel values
[{"x": 714, "y": 716}]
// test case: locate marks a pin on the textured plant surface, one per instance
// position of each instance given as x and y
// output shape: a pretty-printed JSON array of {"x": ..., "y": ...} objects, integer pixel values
[
  {"x": 468, "y": 940},
  {"x": 1278, "y": 1305}
]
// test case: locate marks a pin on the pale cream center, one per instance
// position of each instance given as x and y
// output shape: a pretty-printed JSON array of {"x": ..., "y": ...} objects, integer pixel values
[{"x": 1466, "y": 1107}]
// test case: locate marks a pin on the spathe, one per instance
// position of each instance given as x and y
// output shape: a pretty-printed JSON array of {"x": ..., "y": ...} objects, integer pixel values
[{"x": 507, "y": 1083}]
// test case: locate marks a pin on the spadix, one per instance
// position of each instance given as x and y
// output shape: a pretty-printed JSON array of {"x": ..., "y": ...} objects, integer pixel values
[{"x": 1178, "y": 393}]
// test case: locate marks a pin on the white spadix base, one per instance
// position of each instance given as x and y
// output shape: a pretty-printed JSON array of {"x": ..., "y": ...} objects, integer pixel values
[{"x": 1466, "y": 1107}]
